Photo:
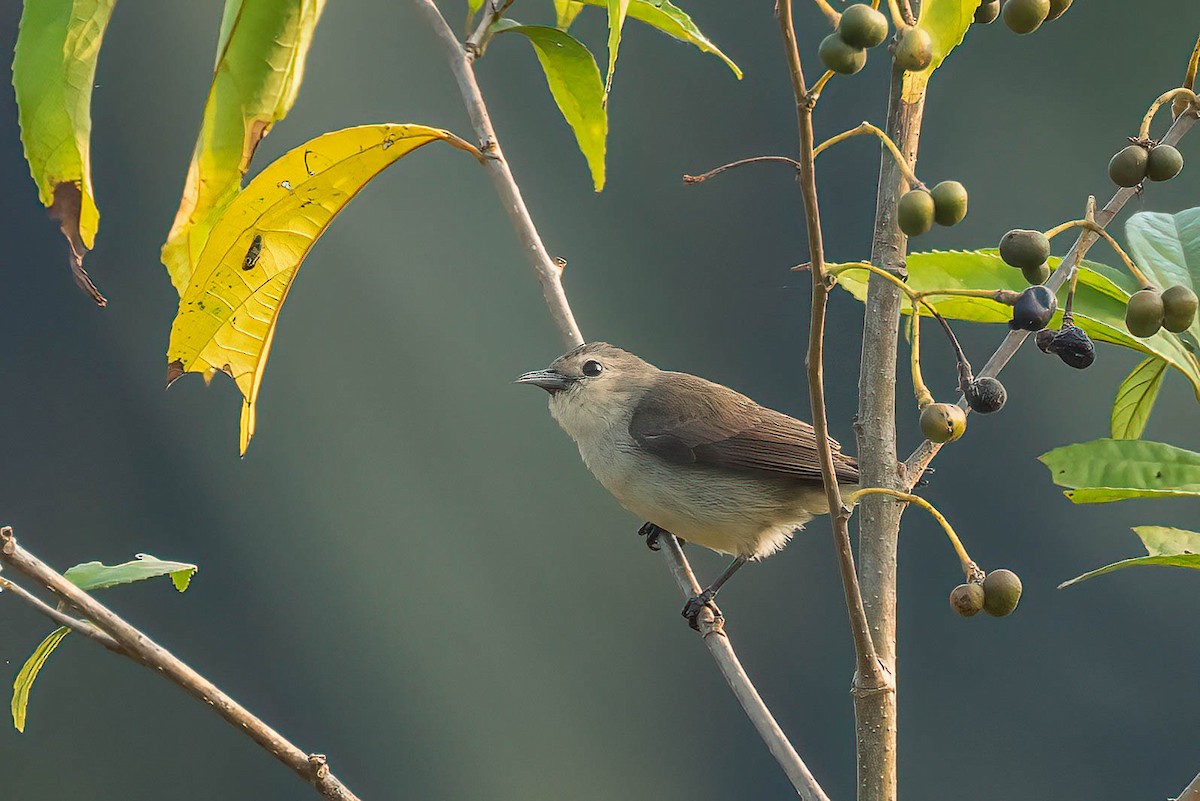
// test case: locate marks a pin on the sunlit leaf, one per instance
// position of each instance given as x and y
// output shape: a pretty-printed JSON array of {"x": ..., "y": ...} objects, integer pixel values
[
  {"x": 91, "y": 576},
  {"x": 1167, "y": 248},
  {"x": 574, "y": 81},
  {"x": 672, "y": 20},
  {"x": 54, "y": 70},
  {"x": 617, "y": 10},
  {"x": 227, "y": 316},
  {"x": 947, "y": 22},
  {"x": 1174, "y": 547},
  {"x": 29, "y": 672},
  {"x": 1135, "y": 398},
  {"x": 1099, "y": 301},
  {"x": 1106, "y": 470},
  {"x": 565, "y": 12},
  {"x": 259, "y": 68}
]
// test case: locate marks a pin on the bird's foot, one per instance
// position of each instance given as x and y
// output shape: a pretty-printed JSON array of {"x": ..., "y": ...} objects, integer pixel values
[
  {"x": 651, "y": 532},
  {"x": 696, "y": 604}
]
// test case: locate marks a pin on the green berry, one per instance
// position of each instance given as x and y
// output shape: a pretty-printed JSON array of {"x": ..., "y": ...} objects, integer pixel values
[
  {"x": 967, "y": 599},
  {"x": 915, "y": 212},
  {"x": 949, "y": 203},
  {"x": 1057, "y": 9},
  {"x": 1128, "y": 168},
  {"x": 1179, "y": 308},
  {"x": 1023, "y": 248},
  {"x": 1144, "y": 314},
  {"x": 862, "y": 26},
  {"x": 1001, "y": 593},
  {"x": 914, "y": 51},
  {"x": 943, "y": 422},
  {"x": 1036, "y": 275},
  {"x": 840, "y": 57},
  {"x": 987, "y": 12},
  {"x": 1025, "y": 16},
  {"x": 1163, "y": 163}
]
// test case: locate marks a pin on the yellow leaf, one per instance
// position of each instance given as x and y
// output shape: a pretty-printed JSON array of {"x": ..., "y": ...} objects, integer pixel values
[
  {"x": 260, "y": 65},
  {"x": 947, "y": 23},
  {"x": 228, "y": 312}
]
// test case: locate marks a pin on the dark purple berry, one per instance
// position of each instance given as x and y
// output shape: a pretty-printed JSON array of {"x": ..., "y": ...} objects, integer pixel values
[
  {"x": 986, "y": 395},
  {"x": 1033, "y": 309},
  {"x": 1074, "y": 347}
]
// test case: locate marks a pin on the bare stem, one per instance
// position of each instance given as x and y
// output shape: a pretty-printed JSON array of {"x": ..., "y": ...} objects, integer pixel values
[
  {"x": 1189, "y": 80},
  {"x": 831, "y": 14},
  {"x": 1192, "y": 791},
  {"x": 870, "y": 675},
  {"x": 699, "y": 179},
  {"x": 129, "y": 641},
  {"x": 922, "y": 393},
  {"x": 925, "y": 452},
  {"x": 1182, "y": 93},
  {"x": 1097, "y": 229},
  {"x": 868, "y": 128},
  {"x": 560, "y": 311},
  {"x": 62, "y": 618},
  {"x": 898, "y": 19},
  {"x": 970, "y": 569}
]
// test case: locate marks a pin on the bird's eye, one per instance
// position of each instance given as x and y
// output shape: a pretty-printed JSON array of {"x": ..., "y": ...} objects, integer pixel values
[{"x": 592, "y": 368}]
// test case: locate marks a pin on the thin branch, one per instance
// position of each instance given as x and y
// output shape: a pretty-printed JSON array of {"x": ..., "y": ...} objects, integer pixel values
[
  {"x": 1183, "y": 93},
  {"x": 560, "y": 311},
  {"x": 1090, "y": 225},
  {"x": 1192, "y": 791},
  {"x": 921, "y": 457},
  {"x": 61, "y": 618},
  {"x": 135, "y": 644},
  {"x": 832, "y": 14},
  {"x": 970, "y": 569},
  {"x": 699, "y": 179},
  {"x": 867, "y": 128},
  {"x": 870, "y": 674}
]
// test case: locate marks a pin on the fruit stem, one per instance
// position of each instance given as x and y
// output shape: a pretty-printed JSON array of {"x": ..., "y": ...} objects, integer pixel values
[
  {"x": 965, "y": 377},
  {"x": 922, "y": 393},
  {"x": 1107, "y": 237},
  {"x": 1181, "y": 92},
  {"x": 970, "y": 569},
  {"x": 1189, "y": 78},
  {"x": 1005, "y": 296},
  {"x": 868, "y": 128},
  {"x": 817, "y": 87},
  {"x": 898, "y": 18},
  {"x": 829, "y": 11}
]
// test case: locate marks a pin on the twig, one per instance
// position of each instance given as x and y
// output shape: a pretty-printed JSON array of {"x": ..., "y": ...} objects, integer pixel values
[
  {"x": 560, "y": 311},
  {"x": 548, "y": 272},
  {"x": 61, "y": 618},
  {"x": 870, "y": 675},
  {"x": 921, "y": 457},
  {"x": 1192, "y": 791},
  {"x": 136, "y": 645},
  {"x": 1090, "y": 225},
  {"x": 698, "y": 179},
  {"x": 884, "y": 139}
]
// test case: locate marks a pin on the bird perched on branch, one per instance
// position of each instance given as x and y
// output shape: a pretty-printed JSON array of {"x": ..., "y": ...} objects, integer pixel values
[{"x": 692, "y": 457}]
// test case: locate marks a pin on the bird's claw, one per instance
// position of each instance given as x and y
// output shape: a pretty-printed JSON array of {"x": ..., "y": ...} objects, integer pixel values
[
  {"x": 696, "y": 604},
  {"x": 651, "y": 532}
]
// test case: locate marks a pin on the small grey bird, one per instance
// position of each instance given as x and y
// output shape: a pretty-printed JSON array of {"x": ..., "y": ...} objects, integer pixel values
[{"x": 690, "y": 456}]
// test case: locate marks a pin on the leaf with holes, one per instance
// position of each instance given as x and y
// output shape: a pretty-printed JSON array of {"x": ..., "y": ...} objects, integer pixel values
[
  {"x": 54, "y": 70},
  {"x": 227, "y": 316},
  {"x": 260, "y": 65},
  {"x": 1173, "y": 547},
  {"x": 1136, "y": 397},
  {"x": 1106, "y": 470},
  {"x": 947, "y": 23}
]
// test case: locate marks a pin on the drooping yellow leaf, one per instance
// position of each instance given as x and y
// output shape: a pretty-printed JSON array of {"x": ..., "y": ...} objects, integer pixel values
[
  {"x": 260, "y": 65},
  {"x": 54, "y": 69},
  {"x": 228, "y": 313}
]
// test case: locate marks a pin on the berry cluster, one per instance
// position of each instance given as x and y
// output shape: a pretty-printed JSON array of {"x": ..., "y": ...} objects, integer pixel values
[
  {"x": 1142, "y": 160},
  {"x": 1021, "y": 16},
  {"x": 1149, "y": 310},
  {"x": 919, "y": 209},
  {"x": 998, "y": 595},
  {"x": 861, "y": 28}
]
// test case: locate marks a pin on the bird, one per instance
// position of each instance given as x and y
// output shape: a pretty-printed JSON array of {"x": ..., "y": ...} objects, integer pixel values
[{"x": 690, "y": 456}]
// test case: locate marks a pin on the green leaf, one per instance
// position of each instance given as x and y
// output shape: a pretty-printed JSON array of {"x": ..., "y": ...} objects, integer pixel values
[
  {"x": 1135, "y": 398},
  {"x": 96, "y": 576},
  {"x": 1164, "y": 546},
  {"x": 574, "y": 81},
  {"x": 259, "y": 68},
  {"x": 1167, "y": 248},
  {"x": 946, "y": 22},
  {"x": 565, "y": 12},
  {"x": 473, "y": 7},
  {"x": 1106, "y": 470},
  {"x": 54, "y": 70},
  {"x": 672, "y": 20},
  {"x": 1099, "y": 300},
  {"x": 29, "y": 672},
  {"x": 617, "y": 11}
]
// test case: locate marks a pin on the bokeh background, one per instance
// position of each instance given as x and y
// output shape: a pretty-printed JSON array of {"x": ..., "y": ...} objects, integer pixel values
[{"x": 412, "y": 572}]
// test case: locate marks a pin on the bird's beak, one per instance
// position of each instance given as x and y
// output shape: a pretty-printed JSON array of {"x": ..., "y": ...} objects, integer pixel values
[{"x": 550, "y": 380}]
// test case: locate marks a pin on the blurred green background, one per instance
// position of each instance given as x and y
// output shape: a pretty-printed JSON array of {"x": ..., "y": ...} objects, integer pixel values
[{"x": 412, "y": 572}]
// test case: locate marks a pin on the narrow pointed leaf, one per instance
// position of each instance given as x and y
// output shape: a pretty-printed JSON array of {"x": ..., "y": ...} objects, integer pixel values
[
  {"x": 23, "y": 684},
  {"x": 1167, "y": 248},
  {"x": 1174, "y": 547},
  {"x": 565, "y": 12},
  {"x": 54, "y": 70},
  {"x": 674, "y": 22},
  {"x": 91, "y": 576},
  {"x": 1106, "y": 470},
  {"x": 574, "y": 81},
  {"x": 227, "y": 316},
  {"x": 947, "y": 23},
  {"x": 617, "y": 10},
  {"x": 259, "y": 68},
  {"x": 1136, "y": 397},
  {"x": 1099, "y": 301}
]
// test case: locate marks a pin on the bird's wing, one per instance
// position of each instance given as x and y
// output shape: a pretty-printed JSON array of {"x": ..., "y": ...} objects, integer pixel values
[{"x": 683, "y": 419}]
